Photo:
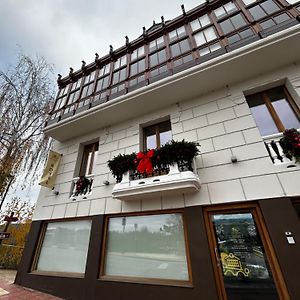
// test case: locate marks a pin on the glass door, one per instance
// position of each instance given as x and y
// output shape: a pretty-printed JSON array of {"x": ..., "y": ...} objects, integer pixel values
[{"x": 242, "y": 263}]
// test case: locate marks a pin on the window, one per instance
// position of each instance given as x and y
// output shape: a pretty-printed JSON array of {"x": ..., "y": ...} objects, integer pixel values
[
  {"x": 156, "y": 44},
  {"x": 157, "y": 135},
  {"x": 210, "y": 49},
  {"x": 225, "y": 10},
  {"x": 183, "y": 60},
  {"x": 136, "y": 80},
  {"x": 157, "y": 58},
  {"x": 240, "y": 35},
  {"x": 137, "y": 67},
  {"x": 146, "y": 247},
  {"x": 274, "y": 21},
  {"x": 119, "y": 76},
  {"x": 89, "y": 159},
  {"x": 177, "y": 34},
  {"x": 233, "y": 23},
  {"x": 62, "y": 97},
  {"x": 200, "y": 22},
  {"x": 274, "y": 111},
  {"x": 158, "y": 71},
  {"x": 120, "y": 62},
  {"x": 137, "y": 53},
  {"x": 104, "y": 70},
  {"x": 64, "y": 247},
  {"x": 88, "y": 85},
  {"x": 102, "y": 83},
  {"x": 205, "y": 36},
  {"x": 263, "y": 9},
  {"x": 180, "y": 47}
]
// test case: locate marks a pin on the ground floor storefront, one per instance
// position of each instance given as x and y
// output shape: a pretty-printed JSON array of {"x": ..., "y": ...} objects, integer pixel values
[{"x": 246, "y": 250}]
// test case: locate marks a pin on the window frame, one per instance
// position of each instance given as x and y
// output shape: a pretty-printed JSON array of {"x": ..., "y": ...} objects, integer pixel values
[
  {"x": 272, "y": 111},
  {"x": 157, "y": 133},
  {"x": 142, "y": 280},
  {"x": 33, "y": 268},
  {"x": 84, "y": 159}
]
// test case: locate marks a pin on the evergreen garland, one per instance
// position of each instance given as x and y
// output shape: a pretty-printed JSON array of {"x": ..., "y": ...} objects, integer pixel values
[{"x": 170, "y": 153}]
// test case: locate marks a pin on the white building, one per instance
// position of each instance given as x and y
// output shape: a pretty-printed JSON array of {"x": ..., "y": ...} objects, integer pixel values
[{"x": 225, "y": 75}]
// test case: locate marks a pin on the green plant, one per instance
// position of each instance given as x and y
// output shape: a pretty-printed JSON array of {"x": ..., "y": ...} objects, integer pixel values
[
  {"x": 121, "y": 164},
  {"x": 290, "y": 144},
  {"x": 170, "y": 153}
]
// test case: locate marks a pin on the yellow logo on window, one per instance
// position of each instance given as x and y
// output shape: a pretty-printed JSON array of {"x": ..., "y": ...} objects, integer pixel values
[{"x": 232, "y": 265}]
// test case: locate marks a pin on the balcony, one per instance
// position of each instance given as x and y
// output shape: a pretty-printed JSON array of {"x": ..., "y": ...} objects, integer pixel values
[
  {"x": 221, "y": 68},
  {"x": 82, "y": 187},
  {"x": 276, "y": 153},
  {"x": 167, "y": 170},
  {"x": 176, "y": 179}
]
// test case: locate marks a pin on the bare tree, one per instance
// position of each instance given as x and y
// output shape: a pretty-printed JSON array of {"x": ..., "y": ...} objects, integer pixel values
[{"x": 26, "y": 92}]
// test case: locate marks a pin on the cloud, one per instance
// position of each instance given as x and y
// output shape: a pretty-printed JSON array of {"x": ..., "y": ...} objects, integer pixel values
[{"x": 67, "y": 31}]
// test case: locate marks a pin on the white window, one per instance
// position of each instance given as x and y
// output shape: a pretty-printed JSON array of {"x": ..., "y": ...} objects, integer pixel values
[{"x": 64, "y": 247}]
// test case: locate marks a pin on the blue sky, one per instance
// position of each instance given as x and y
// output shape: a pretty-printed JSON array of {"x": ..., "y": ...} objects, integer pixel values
[{"x": 66, "y": 32}]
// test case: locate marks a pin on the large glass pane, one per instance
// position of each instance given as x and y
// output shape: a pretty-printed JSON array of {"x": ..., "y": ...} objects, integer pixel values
[
  {"x": 151, "y": 246},
  {"x": 246, "y": 271},
  {"x": 226, "y": 26},
  {"x": 199, "y": 38},
  {"x": 175, "y": 49},
  {"x": 263, "y": 119},
  {"x": 65, "y": 246},
  {"x": 257, "y": 12},
  {"x": 286, "y": 114},
  {"x": 269, "y": 6},
  {"x": 238, "y": 21}
]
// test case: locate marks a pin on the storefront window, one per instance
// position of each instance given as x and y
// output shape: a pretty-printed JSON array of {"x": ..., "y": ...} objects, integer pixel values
[
  {"x": 149, "y": 246},
  {"x": 64, "y": 247}
]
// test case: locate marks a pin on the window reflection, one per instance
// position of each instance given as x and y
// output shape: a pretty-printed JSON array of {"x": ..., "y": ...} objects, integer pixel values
[
  {"x": 150, "y": 246},
  {"x": 243, "y": 258}
]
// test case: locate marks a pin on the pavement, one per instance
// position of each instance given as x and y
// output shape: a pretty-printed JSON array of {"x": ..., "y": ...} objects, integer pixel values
[{"x": 11, "y": 291}]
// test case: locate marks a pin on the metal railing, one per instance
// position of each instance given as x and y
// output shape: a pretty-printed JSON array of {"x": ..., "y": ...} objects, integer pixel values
[{"x": 83, "y": 190}]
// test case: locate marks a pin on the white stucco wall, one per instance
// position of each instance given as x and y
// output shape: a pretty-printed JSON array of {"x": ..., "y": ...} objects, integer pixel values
[{"x": 220, "y": 121}]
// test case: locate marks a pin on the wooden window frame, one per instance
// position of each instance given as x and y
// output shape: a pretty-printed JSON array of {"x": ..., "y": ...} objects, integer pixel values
[
  {"x": 142, "y": 280},
  {"x": 33, "y": 268},
  {"x": 157, "y": 134},
  {"x": 254, "y": 209},
  {"x": 94, "y": 148},
  {"x": 271, "y": 109}
]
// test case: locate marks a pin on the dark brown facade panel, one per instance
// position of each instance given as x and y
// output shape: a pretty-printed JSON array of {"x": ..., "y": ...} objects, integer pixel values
[
  {"x": 91, "y": 287},
  {"x": 280, "y": 217}
]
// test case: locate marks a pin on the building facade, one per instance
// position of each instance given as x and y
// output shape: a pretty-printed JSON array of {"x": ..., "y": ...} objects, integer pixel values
[{"x": 225, "y": 75}]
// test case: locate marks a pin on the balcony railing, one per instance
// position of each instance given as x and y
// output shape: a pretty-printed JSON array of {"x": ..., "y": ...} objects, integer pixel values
[
  {"x": 176, "y": 178},
  {"x": 275, "y": 151},
  {"x": 82, "y": 187}
]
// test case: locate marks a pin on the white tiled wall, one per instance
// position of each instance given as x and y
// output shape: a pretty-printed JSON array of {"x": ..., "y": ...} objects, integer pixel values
[{"x": 220, "y": 121}]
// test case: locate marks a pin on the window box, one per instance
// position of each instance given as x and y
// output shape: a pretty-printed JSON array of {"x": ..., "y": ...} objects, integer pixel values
[
  {"x": 167, "y": 169},
  {"x": 175, "y": 181}
]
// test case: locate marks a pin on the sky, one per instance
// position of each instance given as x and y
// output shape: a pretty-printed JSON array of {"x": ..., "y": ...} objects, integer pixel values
[{"x": 66, "y": 32}]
